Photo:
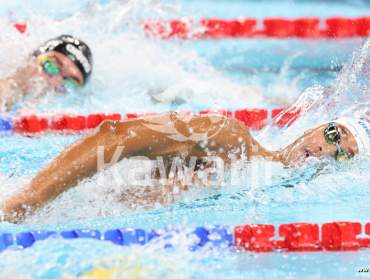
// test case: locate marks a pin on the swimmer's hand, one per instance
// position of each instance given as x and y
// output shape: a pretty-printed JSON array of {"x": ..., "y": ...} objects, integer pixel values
[{"x": 16, "y": 208}]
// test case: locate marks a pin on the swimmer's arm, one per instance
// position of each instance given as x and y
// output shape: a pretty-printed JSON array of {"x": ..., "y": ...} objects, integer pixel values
[
  {"x": 10, "y": 93},
  {"x": 2, "y": 95},
  {"x": 229, "y": 138},
  {"x": 16, "y": 86},
  {"x": 80, "y": 161},
  {"x": 233, "y": 139},
  {"x": 6, "y": 98}
]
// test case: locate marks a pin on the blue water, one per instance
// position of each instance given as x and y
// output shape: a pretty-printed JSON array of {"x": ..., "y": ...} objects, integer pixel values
[{"x": 204, "y": 72}]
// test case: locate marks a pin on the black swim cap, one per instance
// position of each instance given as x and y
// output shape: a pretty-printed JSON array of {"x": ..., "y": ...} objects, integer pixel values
[{"x": 75, "y": 49}]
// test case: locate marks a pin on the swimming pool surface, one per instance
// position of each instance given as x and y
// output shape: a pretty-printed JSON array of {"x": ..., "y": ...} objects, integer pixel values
[{"x": 137, "y": 74}]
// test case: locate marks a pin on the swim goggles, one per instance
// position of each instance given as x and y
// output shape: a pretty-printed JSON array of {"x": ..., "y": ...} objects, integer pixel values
[
  {"x": 51, "y": 68},
  {"x": 332, "y": 136}
]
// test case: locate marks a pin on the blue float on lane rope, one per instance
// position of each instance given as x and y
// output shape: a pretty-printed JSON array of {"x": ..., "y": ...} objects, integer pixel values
[
  {"x": 5, "y": 124},
  {"x": 216, "y": 236}
]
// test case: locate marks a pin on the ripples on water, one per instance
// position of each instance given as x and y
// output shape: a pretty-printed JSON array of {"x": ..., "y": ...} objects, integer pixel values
[{"x": 178, "y": 78}]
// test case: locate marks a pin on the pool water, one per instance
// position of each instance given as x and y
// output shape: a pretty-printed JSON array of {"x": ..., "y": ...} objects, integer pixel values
[{"x": 156, "y": 75}]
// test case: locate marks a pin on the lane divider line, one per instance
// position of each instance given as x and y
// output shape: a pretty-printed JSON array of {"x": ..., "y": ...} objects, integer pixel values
[
  {"x": 255, "y": 119},
  {"x": 293, "y": 237},
  {"x": 216, "y": 28}
]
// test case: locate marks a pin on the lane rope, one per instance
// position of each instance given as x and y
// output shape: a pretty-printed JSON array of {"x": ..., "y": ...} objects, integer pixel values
[
  {"x": 293, "y": 237},
  {"x": 255, "y": 119},
  {"x": 216, "y": 28}
]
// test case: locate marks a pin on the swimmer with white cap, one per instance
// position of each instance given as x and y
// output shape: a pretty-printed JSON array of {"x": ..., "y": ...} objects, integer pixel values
[
  {"x": 173, "y": 135},
  {"x": 62, "y": 64},
  {"x": 360, "y": 129},
  {"x": 343, "y": 138}
]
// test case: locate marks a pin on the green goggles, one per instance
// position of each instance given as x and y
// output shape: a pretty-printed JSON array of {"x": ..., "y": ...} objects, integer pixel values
[
  {"x": 51, "y": 68},
  {"x": 332, "y": 136}
]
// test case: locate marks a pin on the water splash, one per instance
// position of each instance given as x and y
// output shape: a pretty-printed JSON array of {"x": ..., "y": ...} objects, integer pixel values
[
  {"x": 348, "y": 96},
  {"x": 283, "y": 91},
  {"x": 132, "y": 72}
]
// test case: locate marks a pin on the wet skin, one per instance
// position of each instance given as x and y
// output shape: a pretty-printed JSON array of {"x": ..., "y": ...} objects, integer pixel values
[
  {"x": 14, "y": 88},
  {"x": 197, "y": 136},
  {"x": 68, "y": 70},
  {"x": 313, "y": 144}
]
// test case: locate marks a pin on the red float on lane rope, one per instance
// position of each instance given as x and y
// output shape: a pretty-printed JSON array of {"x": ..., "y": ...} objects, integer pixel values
[
  {"x": 363, "y": 26},
  {"x": 94, "y": 120},
  {"x": 254, "y": 119},
  {"x": 341, "y": 27},
  {"x": 179, "y": 29},
  {"x": 215, "y": 28},
  {"x": 306, "y": 27},
  {"x": 302, "y": 237},
  {"x": 219, "y": 28},
  {"x": 341, "y": 236},
  {"x": 31, "y": 124},
  {"x": 286, "y": 118},
  {"x": 278, "y": 27},
  {"x": 255, "y": 238}
]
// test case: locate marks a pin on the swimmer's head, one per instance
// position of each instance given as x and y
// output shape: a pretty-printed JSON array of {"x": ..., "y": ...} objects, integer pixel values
[
  {"x": 360, "y": 130},
  {"x": 342, "y": 138},
  {"x": 66, "y": 59}
]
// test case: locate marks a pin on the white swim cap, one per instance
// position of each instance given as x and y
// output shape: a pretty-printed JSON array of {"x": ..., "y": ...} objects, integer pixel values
[{"x": 360, "y": 129}]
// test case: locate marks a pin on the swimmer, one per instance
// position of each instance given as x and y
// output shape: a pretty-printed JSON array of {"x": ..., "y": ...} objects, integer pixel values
[
  {"x": 173, "y": 135},
  {"x": 63, "y": 64}
]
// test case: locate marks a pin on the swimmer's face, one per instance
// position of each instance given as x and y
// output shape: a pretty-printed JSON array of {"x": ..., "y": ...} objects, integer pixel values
[
  {"x": 313, "y": 144},
  {"x": 68, "y": 70}
]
